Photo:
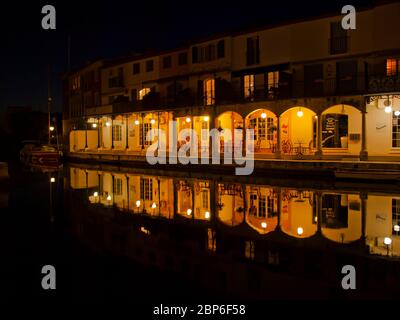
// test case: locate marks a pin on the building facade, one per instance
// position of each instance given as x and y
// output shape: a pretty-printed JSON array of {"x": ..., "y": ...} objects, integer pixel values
[{"x": 309, "y": 89}]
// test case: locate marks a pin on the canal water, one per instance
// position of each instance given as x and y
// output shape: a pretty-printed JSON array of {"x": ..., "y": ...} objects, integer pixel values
[{"x": 182, "y": 236}]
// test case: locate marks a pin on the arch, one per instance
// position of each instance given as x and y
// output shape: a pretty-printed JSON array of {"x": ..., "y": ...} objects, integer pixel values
[
  {"x": 264, "y": 122},
  {"x": 338, "y": 122},
  {"x": 229, "y": 120},
  {"x": 298, "y": 131}
]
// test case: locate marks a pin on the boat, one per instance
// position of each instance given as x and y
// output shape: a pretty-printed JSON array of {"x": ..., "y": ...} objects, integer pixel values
[{"x": 40, "y": 155}]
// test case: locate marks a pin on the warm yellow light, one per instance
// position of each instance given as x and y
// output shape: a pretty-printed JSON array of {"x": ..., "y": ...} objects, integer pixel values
[
  {"x": 300, "y": 113},
  {"x": 397, "y": 113},
  {"x": 108, "y": 124},
  {"x": 52, "y": 179},
  {"x": 264, "y": 225},
  {"x": 388, "y": 109},
  {"x": 152, "y": 121},
  {"x": 188, "y": 119},
  {"x": 137, "y": 122},
  {"x": 263, "y": 115},
  {"x": 95, "y": 194},
  {"x": 109, "y": 198},
  {"x": 138, "y": 203},
  {"x": 300, "y": 231},
  {"x": 154, "y": 205},
  {"x": 94, "y": 125},
  {"x": 51, "y": 128},
  {"x": 189, "y": 212},
  {"x": 207, "y": 215},
  {"x": 387, "y": 241},
  {"x": 396, "y": 228},
  {"x": 206, "y": 118},
  {"x": 316, "y": 117}
]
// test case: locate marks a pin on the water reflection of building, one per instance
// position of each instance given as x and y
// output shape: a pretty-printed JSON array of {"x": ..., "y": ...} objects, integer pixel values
[{"x": 339, "y": 217}]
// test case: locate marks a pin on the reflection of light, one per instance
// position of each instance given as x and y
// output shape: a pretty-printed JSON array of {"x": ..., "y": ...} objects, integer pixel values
[
  {"x": 397, "y": 113},
  {"x": 206, "y": 118},
  {"x": 396, "y": 228},
  {"x": 316, "y": 117},
  {"x": 138, "y": 203},
  {"x": 207, "y": 215},
  {"x": 137, "y": 122},
  {"x": 188, "y": 120},
  {"x": 263, "y": 115},
  {"x": 154, "y": 205},
  {"x": 108, "y": 124},
  {"x": 264, "y": 225},
  {"x": 316, "y": 219},
  {"x": 144, "y": 230},
  {"x": 94, "y": 125},
  {"x": 300, "y": 113},
  {"x": 388, "y": 109},
  {"x": 189, "y": 212},
  {"x": 52, "y": 179},
  {"x": 152, "y": 121},
  {"x": 387, "y": 241},
  {"x": 300, "y": 231},
  {"x": 95, "y": 194},
  {"x": 109, "y": 198},
  {"x": 51, "y": 128}
]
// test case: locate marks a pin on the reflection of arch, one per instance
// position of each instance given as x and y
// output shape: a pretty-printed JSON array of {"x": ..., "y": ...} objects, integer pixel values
[{"x": 256, "y": 223}]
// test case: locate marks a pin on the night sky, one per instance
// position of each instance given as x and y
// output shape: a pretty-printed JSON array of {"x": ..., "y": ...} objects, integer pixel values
[{"x": 113, "y": 28}]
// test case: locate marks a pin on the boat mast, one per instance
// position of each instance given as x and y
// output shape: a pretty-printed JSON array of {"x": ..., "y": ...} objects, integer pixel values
[{"x": 49, "y": 101}]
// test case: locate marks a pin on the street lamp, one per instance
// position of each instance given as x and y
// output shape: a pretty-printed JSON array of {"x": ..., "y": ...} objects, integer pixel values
[
  {"x": 51, "y": 128},
  {"x": 52, "y": 179}
]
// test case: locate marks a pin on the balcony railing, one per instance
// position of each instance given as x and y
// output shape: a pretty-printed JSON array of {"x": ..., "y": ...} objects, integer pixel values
[{"x": 338, "y": 45}]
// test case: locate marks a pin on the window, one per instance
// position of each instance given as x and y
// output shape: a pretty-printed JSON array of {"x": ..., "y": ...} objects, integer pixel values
[
  {"x": 260, "y": 127},
  {"x": 395, "y": 215},
  {"x": 209, "y": 92},
  {"x": 143, "y": 134},
  {"x": 117, "y": 186},
  {"x": 143, "y": 92},
  {"x": 117, "y": 132},
  {"x": 76, "y": 83},
  {"x": 392, "y": 67},
  {"x": 167, "y": 62},
  {"x": 334, "y": 130},
  {"x": 249, "y": 249},
  {"x": 248, "y": 86},
  {"x": 273, "y": 80},
  {"x": 270, "y": 207},
  {"x": 211, "y": 240},
  {"x": 204, "y": 199},
  {"x": 182, "y": 58},
  {"x": 395, "y": 131},
  {"x": 253, "y": 51},
  {"x": 195, "y": 55},
  {"x": 270, "y": 133},
  {"x": 146, "y": 189},
  {"x": 149, "y": 65},
  {"x": 136, "y": 68},
  {"x": 338, "y": 41},
  {"x": 262, "y": 210},
  {"x": 221, "y": 49}
]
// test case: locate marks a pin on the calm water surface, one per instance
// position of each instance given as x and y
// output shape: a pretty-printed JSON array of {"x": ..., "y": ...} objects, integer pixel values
[{"x": 119, "y": 232}]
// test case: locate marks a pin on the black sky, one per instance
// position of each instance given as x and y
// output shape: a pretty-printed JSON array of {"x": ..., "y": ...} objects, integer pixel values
[{"x": 111, "y": 28}]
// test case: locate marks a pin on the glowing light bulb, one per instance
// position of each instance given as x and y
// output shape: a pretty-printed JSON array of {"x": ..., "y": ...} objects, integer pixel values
[
  {"x": 387, "y": 241},
  {"x": 51, "y": 128},
  {"x": 94, "y": 125},
  {"x": 264, "y": 225},
  {"x": 188, "y": 119},
  {"x": 52, "y": 179},
  {"x": 397, "y": 113},
  {"x": 154, "y": 205},
  {"x": 300, "y": 113},
  {"x": 396, "y": 228},
  {"x": 388, "y": 109},
  {"x": 108, "y": 124},
  {"x": 207, "y": 215},
  {"x": 300, "y": 231},
  {"x": 152, "y": 121},
  {"x": 138, "y": 203},
  {"x": 137, "y": 122},
  {"x": 95, "y": 194},
  {"x": 189, "y": 212},
  {"x": 109, "y": 198},
  {"x": 263, "y": 115},
  {"x": 206, "y": 118}
]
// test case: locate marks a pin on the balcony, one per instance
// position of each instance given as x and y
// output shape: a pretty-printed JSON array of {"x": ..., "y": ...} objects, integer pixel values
[
  {"x": 338, "y": 45},
  {"x": 381, "y": 84}
]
